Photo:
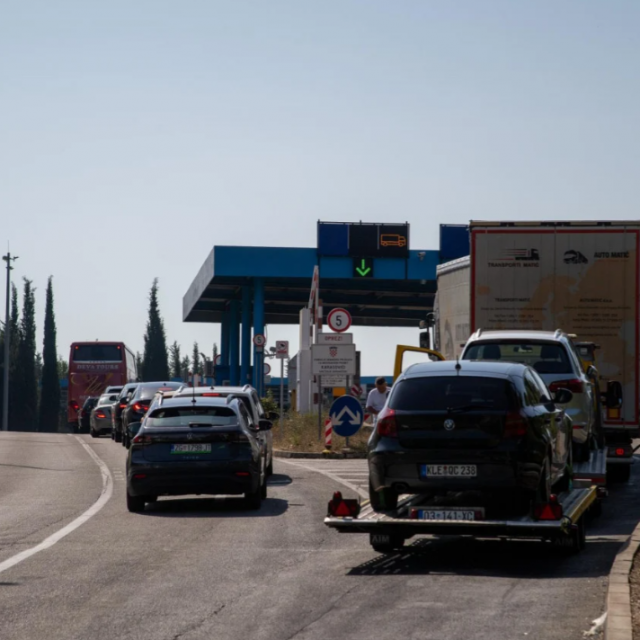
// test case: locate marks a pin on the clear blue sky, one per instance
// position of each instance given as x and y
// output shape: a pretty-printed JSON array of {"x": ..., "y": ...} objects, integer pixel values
[{"x": 138, "y": 134}]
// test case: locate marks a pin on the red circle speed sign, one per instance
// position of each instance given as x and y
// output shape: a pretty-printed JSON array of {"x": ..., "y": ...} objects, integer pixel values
[{"x": 339, "y": 320}]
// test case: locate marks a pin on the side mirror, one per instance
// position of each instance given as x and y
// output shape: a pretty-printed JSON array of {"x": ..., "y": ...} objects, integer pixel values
[
  {"x": 265, "y": 425},
  {"x": 562, "y": 396},
  {"x": 613, "y": 399},
  {"x": 273, "y": 415},
  {"x": 592, "y": 372}
]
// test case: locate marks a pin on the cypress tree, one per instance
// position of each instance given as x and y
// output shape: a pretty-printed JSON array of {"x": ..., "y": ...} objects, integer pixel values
[
  {"x": 15, "y": 379},
  {"x": 185, "y": 365},
  {"x": 155, "y": 361},
  {"x": 50, "y": 390},
  {"x": 174, "y": 360},
  {"x": 139, "y": 366},
  {"x": 28, "y": 402},
  {"x": 196, "y": 363}
]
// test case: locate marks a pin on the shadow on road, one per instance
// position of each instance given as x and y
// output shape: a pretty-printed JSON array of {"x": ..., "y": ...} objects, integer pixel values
[{"x": 214, "y": 508}]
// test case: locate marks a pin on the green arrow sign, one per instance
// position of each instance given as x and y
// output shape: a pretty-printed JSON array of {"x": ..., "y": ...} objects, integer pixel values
[{"x": 363, "y": 268}]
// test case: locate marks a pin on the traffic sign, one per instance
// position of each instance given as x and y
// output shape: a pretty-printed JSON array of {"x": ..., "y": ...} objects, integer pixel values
[
  {"x": 339, "y": 320},
  {"x": 218, "y": 359},
  {"x": 334, "y": 338},
  {"x": 356, "y": 391},
  {"x": 259, "y": 340},
  {"x": 267, "y": 369},
  {"x": 333, "y": 360},
  {"x": 282, "y": 349},
  {"x": 346, "y": 416},
  {"x": 332, "y": 381},
  {"x": 363, "y": 267}
]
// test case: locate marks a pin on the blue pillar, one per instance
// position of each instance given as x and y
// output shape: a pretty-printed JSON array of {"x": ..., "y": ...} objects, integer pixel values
[
  {"x": 246, "y": 335},
  {"x": 258, "y": 327},
  {"x": 224, "y": 339},
  {"x": 234, "y": 341}
]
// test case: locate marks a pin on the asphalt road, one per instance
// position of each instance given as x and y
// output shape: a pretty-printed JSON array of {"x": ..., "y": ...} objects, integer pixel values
[{"x": 202, "y": 568}]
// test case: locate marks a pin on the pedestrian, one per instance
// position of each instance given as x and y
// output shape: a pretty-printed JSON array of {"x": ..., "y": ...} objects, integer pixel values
[{"x": 377, "y": 397}]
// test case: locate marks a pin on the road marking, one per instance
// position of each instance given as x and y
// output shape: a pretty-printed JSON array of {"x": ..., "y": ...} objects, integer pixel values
[
  {"x": 107, "y": 491},
  {"x": 316, "y": 469}
]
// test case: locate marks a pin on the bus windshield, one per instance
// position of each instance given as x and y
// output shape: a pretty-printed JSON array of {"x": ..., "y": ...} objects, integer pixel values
[{"x": 97, "y": 353}]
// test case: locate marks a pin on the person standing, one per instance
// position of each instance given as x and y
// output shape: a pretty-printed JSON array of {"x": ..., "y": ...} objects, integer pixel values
[{"x": 377, "y": 397}]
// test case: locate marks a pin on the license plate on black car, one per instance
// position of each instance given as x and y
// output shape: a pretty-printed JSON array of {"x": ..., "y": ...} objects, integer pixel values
[
  {"x": 190, "y": 448},
  {"x": 448, "y": 471}
]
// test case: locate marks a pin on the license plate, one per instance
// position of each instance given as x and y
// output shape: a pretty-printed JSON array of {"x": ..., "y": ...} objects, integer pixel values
[
  {"x": 466, "y": 515},
  {"x": 448, "y": 471},
  {"x": 190, "y": 448}
]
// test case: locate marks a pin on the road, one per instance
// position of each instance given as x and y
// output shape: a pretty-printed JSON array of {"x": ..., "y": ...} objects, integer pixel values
[{"x": 200, "y": 568}]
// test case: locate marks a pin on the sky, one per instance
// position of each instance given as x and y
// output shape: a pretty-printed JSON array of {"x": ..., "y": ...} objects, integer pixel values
[{"x": 136, "y": 135}]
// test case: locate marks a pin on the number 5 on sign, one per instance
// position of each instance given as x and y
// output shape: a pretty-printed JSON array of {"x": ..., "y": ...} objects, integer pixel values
[{"x": 339, "y": 320}]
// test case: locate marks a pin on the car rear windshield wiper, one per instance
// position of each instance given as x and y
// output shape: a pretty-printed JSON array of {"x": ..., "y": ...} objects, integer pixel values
[{"x": 468, "y": 407}]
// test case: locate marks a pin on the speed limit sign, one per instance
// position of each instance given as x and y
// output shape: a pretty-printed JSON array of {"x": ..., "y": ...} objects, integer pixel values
[{"x": 339, "y": 320}]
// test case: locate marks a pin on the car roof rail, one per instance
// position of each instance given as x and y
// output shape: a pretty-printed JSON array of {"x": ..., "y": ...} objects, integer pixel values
[
  {"x": 558, "y": 333},
  {"x": 248, "y": 387},
  {"x": 479, "y": 332}
]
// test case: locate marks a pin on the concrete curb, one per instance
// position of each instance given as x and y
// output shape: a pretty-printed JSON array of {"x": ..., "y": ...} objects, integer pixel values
[
  {"x": 318, "y": 456},
  {"x": 618, "y": 625}
]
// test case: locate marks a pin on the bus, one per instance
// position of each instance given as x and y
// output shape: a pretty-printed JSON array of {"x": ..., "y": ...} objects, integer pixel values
[{"x": 94, "y": 366}]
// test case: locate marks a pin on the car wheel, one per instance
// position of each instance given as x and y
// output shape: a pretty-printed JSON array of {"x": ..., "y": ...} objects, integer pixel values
[
  {"x": 93, "y": 433},
  {"x": 253, "y": 500},
  {"x": 384, "y": 500},
  {"x": 117, "y": 436},
  {"x": 135, "y": 504}
]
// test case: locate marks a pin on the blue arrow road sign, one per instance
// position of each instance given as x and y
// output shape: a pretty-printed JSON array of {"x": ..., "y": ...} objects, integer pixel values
[{"x": 346, "y": 416}]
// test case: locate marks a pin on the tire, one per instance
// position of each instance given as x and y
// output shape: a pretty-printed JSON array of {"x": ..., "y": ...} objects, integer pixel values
[
  {"x": 93, "y": 433},
  {"x": 135, "y": 504},
  {"x": 395, "y": 543},
  {"x": 384, "y": 500},
  {"x": 117, "y": 436},
  {"x": 253, "y": 500},
  {"x": 127, "y": 441},
  {"x": 619, "y": 473}
]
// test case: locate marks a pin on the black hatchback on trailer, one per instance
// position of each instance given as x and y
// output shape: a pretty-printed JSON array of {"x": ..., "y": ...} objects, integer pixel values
[
  {"x": 197, "y": 445},
  {"x": 484, "y": 426}
]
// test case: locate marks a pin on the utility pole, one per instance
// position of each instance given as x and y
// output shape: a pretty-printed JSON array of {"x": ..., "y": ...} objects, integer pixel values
[{"x": 7, "y": 342}]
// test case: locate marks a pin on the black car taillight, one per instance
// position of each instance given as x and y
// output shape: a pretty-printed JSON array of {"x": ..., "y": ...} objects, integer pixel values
[
  {"x": 141, "y": 440},
  {"x": 515, "y": 425},
  {"x": 387, "y": 425}
]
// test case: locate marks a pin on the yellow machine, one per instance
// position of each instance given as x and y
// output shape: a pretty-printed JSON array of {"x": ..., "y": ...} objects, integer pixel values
[{"x": 402, "y": 349}]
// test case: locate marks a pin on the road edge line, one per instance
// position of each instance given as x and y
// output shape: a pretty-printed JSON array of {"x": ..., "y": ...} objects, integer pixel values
[
  {"x": 619, "y": 624},
  {"x": 47, "y": 543},
  {"x": 328, "y": 474}
]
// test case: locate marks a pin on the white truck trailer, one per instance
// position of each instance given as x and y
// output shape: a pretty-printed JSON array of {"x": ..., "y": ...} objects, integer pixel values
[{"x": 581, "y": 277}]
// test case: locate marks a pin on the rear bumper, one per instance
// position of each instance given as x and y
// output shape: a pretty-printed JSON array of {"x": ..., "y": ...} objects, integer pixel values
[
  {"x": 501, "y": 471},
  {"x": 176, "y": 479},
  {"x": 102, "y": 426}
]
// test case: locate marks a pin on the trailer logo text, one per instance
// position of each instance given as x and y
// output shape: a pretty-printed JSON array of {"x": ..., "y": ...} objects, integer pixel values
[{"x": 517, "y": 258}]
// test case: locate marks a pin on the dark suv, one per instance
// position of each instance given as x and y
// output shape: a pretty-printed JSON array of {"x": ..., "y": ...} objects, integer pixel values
[
  {"x": 84, "y": 413},
  {"x": 481, "y": 426},
  {"x": 138, "y": 405},
  {"x": 116, "y": 414}
]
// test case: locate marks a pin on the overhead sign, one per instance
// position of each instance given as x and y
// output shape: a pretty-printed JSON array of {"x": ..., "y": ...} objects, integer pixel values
[
  {"x": 339, "y": 320},
  {"x": 282, "y": 349},
  {"x": 368, "y": 240},
  {"x": 363, "y": 267},
  {"x": 333, "y": 360},
  {"x": 259, "y": 340},
  {"x": 346, "y": 416},
  {"x": 334, "y": 338}
]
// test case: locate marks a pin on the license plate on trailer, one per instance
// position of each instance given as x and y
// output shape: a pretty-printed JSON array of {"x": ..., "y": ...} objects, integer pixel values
[
  {"x": 448, "y": 471},
  {"x": 454, "y": 515},
  {"x": 190, "y": 448}
]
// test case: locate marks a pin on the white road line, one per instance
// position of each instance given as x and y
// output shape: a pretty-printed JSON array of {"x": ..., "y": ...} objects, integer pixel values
[
  {"x": 316, "y": 469},
  {"x": 107, "y": 491}
]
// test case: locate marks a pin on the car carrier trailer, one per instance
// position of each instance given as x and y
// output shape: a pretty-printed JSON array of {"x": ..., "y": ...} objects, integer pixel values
[{"x": 562, "y": 521}]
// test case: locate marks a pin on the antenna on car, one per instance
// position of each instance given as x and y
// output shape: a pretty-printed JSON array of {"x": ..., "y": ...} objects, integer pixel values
[
  {"x": 458, "y": 365},
  {"x": 193, "y": 391}
]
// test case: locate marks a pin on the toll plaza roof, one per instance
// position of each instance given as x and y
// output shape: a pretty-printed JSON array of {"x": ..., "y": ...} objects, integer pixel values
[{"x": 379, "y": 292}]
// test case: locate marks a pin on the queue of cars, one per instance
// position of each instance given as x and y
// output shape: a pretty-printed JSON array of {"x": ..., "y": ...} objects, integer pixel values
[{"x": 184, "y": 440}]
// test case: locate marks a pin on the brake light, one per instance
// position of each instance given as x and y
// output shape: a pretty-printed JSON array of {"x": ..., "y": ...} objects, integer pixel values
[
  {"x": 550, "y": 511},
  {"x": 242, "y": 474},
  {"x": 574, "y": 385},
  {"x": 74, "y": 405},
  {"x": 619, "y": 452},
  {"x": 122, "y": 405},
  {"x": 338, "y": 507},
  {"x": 387, "y": 423},
  {"x": 515, "y": 425},
  {"x": 142, "y": 439},
  {"x": 100, "y": 414},
  {"x": 140, "y": 407},
  {"x": 210, "y": 395}
]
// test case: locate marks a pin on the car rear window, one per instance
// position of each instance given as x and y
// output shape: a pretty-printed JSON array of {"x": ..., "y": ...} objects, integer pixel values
[
  {"x": 544, "y": 357},
  {"x": 451, "y": 392},
  {"x": 148, "y": 392},
  {"x": 184, "y": 416}
]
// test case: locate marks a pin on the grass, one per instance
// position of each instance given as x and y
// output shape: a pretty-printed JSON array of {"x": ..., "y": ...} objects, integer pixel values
[{"x": 300, "y": 434}]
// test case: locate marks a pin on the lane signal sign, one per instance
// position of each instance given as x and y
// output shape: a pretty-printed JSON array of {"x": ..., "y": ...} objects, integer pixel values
[{"x": 363, "y": 268}]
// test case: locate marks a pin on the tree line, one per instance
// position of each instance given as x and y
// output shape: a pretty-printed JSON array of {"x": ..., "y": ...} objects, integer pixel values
[{"x": 34, "y": 376}]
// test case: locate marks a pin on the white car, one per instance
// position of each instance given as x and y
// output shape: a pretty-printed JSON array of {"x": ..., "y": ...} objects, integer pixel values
[{"x": 555, "y": 359}]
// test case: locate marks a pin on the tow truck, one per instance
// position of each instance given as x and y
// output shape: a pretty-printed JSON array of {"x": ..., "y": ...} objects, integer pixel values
[{"x": 561, "y": 521}]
